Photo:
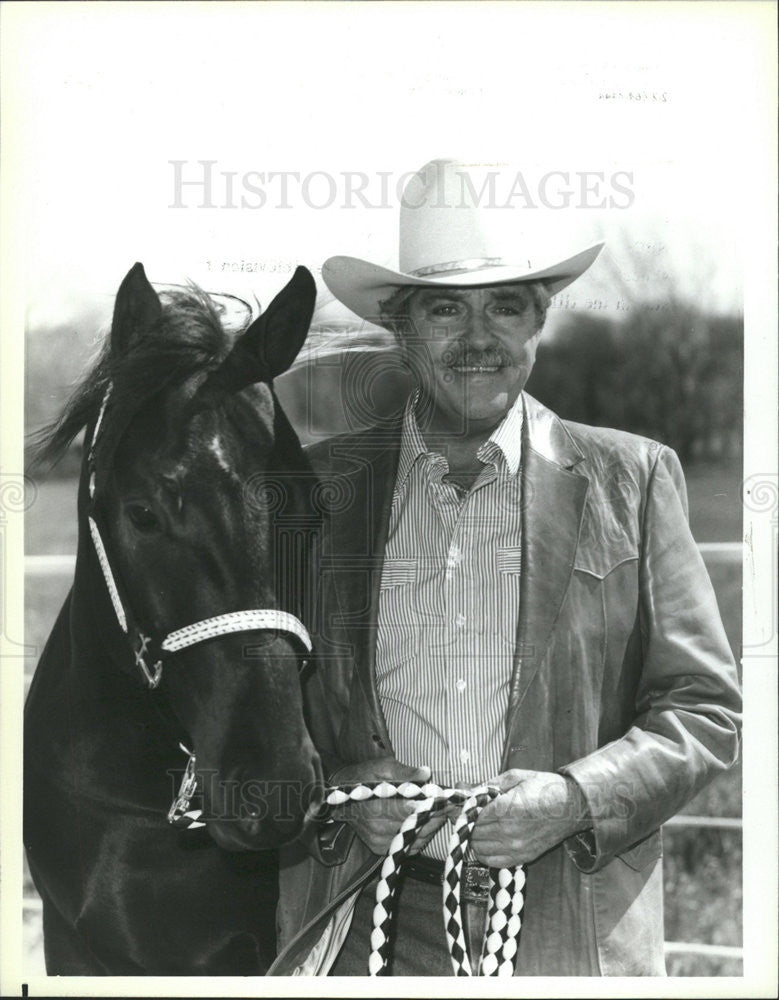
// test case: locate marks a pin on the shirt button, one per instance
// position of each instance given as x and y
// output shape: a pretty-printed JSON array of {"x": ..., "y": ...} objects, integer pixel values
[
  {"x": 465, "y": 756},
  {"x": 460, "y": 620},
  {"x": 461, "y": 685}
]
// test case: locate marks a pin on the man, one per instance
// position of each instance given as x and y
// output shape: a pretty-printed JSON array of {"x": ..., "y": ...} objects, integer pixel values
[{"x": 508, "y": 598}]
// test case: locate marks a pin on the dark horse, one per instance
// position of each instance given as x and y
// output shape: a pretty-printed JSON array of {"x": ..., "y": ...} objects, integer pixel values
[{"x": 183, "y": 488}]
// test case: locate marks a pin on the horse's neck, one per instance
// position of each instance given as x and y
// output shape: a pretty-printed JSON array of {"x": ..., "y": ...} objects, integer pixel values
[{"x": 87, "y": 715}]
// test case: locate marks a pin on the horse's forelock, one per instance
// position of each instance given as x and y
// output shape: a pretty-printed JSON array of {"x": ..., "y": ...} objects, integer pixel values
[{"x": 189, "y": 339}]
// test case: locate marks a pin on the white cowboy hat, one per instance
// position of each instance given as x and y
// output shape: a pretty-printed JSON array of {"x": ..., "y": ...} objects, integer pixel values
[{"x": 446, "y": 238}]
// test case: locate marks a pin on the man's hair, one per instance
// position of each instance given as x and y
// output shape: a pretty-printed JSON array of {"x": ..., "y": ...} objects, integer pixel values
[{"x": 395, "y": 315}]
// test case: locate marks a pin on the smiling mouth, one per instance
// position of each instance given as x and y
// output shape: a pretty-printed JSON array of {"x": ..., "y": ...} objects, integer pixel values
[{"x": 476, "y": 369}]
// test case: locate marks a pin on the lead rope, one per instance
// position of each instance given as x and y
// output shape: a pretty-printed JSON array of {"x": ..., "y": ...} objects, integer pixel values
[
  {"x": 506, "y": 896},
  {"x": 506, "y": 884}
]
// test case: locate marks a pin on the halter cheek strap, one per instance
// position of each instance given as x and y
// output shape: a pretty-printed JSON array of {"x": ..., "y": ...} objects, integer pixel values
[{"x": 108, "y": 576}]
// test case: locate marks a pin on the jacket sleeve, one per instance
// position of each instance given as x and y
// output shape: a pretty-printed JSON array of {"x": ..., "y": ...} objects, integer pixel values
[{"x": 688, "y": 702}]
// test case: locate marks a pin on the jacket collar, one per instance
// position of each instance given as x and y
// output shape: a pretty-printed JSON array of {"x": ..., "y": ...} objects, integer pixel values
[
  {"x": 546, "y": 435},
  {"x": 542, "y": 430}
]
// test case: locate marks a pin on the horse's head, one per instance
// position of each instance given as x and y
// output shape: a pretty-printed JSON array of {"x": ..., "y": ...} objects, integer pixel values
[{"x": 199, "y": 485}]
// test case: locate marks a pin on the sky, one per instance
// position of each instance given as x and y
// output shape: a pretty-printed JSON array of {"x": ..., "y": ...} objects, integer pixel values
[{"x": 102, "y": 98}]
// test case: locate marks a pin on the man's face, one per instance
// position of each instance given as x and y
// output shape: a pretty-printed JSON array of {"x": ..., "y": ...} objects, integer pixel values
[{"x": 472, "y": 350}]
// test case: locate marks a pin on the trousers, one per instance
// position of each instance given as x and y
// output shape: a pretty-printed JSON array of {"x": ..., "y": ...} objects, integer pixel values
[{"x": 417, "y": 939}]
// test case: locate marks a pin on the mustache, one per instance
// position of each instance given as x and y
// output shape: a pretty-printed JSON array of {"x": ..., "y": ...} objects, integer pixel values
[{"x": 465, "y": 356}]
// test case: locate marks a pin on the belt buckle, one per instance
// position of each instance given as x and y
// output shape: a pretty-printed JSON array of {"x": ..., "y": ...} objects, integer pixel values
[{"x": 475, "y": 884}]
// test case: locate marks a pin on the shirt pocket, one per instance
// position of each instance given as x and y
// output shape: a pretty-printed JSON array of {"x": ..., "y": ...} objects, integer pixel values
[
  {"x": 510, "y": 560},
  {"x": 509, "y": 566},
  {"x": 400, "y": 626},
  {"x": 398, "y": 573}
]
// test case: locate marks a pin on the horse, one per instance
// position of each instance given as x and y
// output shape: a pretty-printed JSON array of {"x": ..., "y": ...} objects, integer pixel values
[{"x": 190, "y": 472}]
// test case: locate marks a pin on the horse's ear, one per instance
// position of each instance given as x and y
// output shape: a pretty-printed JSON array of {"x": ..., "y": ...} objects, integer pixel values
[
  {"x": 136, "y": 310},
  {"x": 275, "y": 338},
  {"x": 270, "y": 345}
]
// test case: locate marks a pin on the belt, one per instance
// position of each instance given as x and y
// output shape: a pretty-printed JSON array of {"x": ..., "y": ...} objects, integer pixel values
[{"x": 475, "y": 887}]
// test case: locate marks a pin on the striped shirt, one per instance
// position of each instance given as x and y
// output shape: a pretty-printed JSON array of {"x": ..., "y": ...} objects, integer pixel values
[{"x": 449, "y": 607}]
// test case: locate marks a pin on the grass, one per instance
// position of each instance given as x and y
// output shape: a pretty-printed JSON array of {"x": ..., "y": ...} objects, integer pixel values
[
  {"x": 703, "y": 891},
  {"x": 702, "y": 868},
  {"x": 714, "y": 493}
]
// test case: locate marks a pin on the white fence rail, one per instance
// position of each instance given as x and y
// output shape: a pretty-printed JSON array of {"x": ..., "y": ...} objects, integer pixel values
[
  {"x": 723, "y": 550},
  {"x": 712, "y": 822},
  {"x": 61, "y": 565},
  {"x": 49, "y": 565},
  {"x": 707, "y": 950}
]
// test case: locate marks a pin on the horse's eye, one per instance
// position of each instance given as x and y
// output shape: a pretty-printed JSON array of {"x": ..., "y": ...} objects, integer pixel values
[{"x": 142, "y": 517}]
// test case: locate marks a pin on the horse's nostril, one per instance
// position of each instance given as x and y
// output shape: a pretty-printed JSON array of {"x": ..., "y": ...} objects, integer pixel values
[{"x": 251, "y": 825}]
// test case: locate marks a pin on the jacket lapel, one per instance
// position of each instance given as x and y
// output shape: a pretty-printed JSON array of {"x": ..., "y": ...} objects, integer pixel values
[
  {"x": 359, "y": 536},
  {"x": 553, "y": 504}
]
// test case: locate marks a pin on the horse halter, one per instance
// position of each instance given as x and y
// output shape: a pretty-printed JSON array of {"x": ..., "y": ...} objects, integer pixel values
[{"x": 252, "y": 620}]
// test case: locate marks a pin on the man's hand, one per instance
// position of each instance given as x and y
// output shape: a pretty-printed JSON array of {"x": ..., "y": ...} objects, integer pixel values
[
  {"x": 378, "y": 820},
  {"x": 536, "y": 810}
]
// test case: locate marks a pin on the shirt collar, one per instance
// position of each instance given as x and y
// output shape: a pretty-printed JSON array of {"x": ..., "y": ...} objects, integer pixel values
[
  {"x": 412, "y": 444},
  {"x": 508, "y": 437},
  {"x": 505, "y": 440}
]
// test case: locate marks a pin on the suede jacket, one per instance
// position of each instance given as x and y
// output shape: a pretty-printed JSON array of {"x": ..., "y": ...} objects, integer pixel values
[{"x": 623, "y": 679}]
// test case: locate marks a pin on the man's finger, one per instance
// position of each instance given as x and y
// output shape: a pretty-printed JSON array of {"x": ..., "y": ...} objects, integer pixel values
[
  {"x": 390, "y": 769},
  {"x": 510, "y": 779},
  {"x": 391, "y": 810}
]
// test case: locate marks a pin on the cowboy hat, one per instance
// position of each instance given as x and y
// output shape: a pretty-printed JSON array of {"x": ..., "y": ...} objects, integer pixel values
[{"x": 446, "y": 238}]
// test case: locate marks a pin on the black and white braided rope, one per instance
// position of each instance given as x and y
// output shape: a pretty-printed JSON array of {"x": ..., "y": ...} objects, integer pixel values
[
  {"x": 504, "y": 921},
  {"x": 506, "y": 884},
  {"x": 506, "y": 899}
]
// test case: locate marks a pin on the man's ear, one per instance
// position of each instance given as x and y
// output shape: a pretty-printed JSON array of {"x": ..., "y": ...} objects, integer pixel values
[
  {"x": 136, "y": 310},
  {"x": 272, "y": 342}
]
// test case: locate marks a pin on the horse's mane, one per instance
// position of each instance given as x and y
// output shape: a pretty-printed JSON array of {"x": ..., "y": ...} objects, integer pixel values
[{"x": 189, "y": 338}]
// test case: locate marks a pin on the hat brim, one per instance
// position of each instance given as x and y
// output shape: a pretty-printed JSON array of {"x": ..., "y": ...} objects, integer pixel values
[{"x": 362, "y": 286}]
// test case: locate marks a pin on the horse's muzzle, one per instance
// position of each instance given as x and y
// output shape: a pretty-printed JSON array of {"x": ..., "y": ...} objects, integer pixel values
[{"x": 247, "y": 813}]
